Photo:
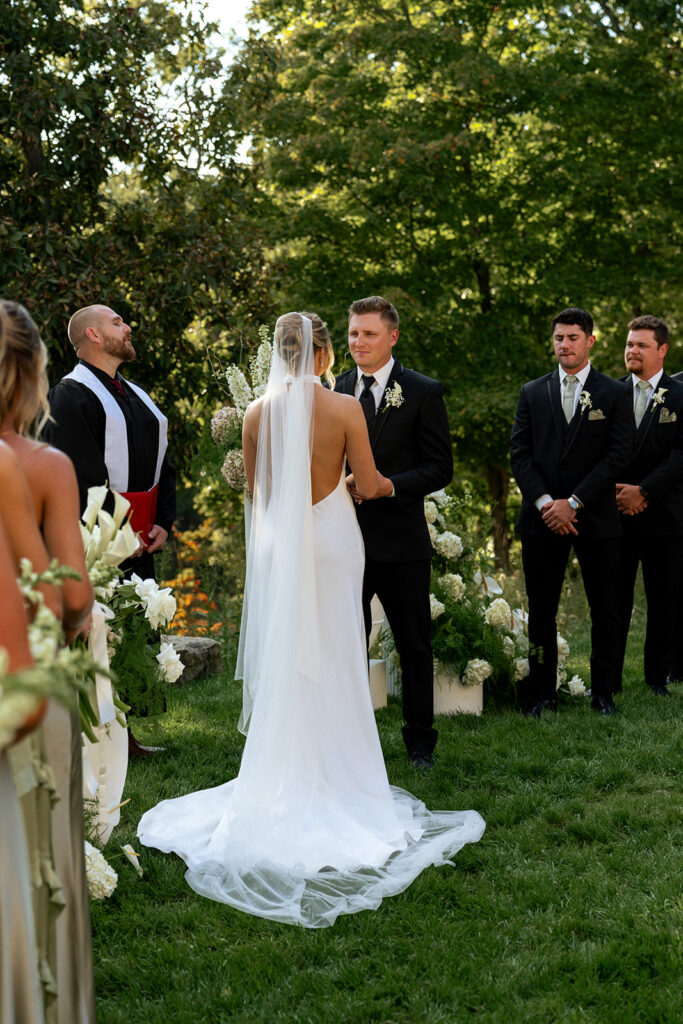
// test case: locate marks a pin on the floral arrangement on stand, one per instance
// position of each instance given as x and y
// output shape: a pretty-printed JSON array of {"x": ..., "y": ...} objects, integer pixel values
[{"x": 476, "y": 636}]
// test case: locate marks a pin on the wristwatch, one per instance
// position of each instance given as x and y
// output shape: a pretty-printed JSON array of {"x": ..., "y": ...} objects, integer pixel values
[{"x": 574, "y": 503}]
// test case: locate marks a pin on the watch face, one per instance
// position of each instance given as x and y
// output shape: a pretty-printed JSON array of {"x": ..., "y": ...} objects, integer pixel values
[{"x": 573, "y": 503}]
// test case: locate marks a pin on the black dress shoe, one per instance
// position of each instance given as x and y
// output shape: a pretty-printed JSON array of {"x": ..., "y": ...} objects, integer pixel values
[
  {"x": 603, "y": 705},
  {"x": 660, "y": 690},
  {"x": 543, "y": 705},
  {"x": 422, "y": 762},
  {"x": 136, "y": 749}
]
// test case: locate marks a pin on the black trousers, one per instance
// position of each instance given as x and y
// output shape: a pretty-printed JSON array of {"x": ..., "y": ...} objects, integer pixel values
[
  {"x": 544, "y": 559},
  {"x": 661, "y": 559},
  {"x": 403, "y": 589}
]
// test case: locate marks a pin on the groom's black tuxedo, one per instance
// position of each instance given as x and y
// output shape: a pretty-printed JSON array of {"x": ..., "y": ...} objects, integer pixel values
[
  {"x": 412, "y": 447},
  {"x": 584, "y": 458},
  {"x": 654, "y": 537}
]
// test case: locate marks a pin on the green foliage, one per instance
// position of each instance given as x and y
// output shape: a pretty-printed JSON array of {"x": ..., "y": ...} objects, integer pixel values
[{"x": 139, "y": 682}]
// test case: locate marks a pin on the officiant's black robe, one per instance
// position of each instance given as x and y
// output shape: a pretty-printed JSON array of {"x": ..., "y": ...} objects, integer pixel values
[{"x": 78, "y": 429}]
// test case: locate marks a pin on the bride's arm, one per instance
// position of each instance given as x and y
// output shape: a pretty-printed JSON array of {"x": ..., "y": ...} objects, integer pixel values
[
  {"x": 250, "y": 427},
  {"x": 359, "y": 452}
]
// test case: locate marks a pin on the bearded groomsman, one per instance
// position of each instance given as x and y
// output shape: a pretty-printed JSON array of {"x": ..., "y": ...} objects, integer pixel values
[
  {"x": 410, "y": 438},
  {"x": 112, "y": 431},
  {"x": 571, "y": 441},
  {"x": 650, "y": 498}
]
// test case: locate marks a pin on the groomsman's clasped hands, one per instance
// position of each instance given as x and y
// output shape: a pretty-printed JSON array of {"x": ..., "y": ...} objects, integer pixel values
[{"x": 599, "y": 463}]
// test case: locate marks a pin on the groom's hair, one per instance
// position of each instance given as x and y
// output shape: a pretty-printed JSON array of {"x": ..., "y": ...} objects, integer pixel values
[
  {"x": 575, "y": 315},
  {"x": 375, "y": 304},
  {"x": 654, "y": 324}
]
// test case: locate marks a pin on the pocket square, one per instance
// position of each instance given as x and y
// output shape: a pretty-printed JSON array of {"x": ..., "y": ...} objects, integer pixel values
[
  {"x": 667, "y": 415},
  {"x": 596, "y": 414}
]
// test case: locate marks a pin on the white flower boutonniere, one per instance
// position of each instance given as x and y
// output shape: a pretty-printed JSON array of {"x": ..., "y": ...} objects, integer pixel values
[
  {"x": 658, "y": 398},
  {"x": 393, "y": 398},
  {"x": 585, "y": 401}
]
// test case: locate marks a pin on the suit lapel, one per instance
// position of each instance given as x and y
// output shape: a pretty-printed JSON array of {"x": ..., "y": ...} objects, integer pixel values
[
  {"x": 346, "y": 382},
  {"x": 580, "y": 415},
  {"x": 553, "y": 386},
  {"x": 384, "y": 411}
]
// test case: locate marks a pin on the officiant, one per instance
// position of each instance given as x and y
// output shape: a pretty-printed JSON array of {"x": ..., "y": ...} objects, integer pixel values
[
  {"x": 112, "y": 430},
  {"x": 115, "y": 435}
]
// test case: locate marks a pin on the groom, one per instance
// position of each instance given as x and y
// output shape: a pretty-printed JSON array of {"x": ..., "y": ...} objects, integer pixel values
[{"x": 411, "y": 444}]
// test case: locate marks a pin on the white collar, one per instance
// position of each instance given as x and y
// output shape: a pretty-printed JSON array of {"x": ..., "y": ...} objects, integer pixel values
[
  {"x": 581, "y": 376},
  {"x": 653, "y": 381},
  {"x": 382, "y": 375}
]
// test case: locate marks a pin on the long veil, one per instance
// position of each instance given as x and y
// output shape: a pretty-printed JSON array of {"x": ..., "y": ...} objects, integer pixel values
[{"x": 278, "y": 635}]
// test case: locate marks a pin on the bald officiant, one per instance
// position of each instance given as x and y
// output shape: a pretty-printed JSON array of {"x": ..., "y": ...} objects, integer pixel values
[{"x": 112, "y": 430}]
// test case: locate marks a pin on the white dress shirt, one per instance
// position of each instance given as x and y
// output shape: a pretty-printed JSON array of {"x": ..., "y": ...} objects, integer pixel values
[{"x": 381, "y": 379}]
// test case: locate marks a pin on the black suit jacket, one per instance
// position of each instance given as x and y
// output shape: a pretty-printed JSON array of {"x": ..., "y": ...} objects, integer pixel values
[
  {"x": 585, "y": 457},
  {"x": 657, "y": 464},
  {"x": 411, "y": 445}
]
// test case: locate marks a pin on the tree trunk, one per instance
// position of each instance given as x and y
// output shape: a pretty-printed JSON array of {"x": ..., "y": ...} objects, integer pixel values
[{"x": 498, "y": 480}]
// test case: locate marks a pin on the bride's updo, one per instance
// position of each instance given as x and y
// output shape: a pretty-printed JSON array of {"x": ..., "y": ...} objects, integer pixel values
[
  {"x": 289, "y": 341},
  {"x": 23, "y": 379}
]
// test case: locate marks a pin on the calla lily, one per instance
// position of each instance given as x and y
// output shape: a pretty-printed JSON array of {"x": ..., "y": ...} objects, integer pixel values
[
  {"x": 85, "y": 535},
  {"x": 92, "y": 551},
  {"x": 123, "y": 546},
  {"x": 107, "y": 527},
  {"x": 519, "y": 619},
  {"x": 121, "y": 506},
  {"x": 96, "y": 499}
]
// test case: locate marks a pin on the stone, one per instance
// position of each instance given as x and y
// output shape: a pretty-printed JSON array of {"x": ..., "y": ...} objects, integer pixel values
[{"x": 201, "y": 656}]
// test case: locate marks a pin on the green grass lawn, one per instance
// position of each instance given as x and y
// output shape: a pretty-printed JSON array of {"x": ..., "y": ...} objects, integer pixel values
[{"x": 569, "y": 908}]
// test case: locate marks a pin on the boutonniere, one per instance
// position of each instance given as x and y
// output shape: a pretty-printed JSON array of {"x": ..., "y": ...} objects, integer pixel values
[
  {"x": 585, "y": 401},
  {"x": 393, "y": 398},
  {"x": 658, "y": 398}
]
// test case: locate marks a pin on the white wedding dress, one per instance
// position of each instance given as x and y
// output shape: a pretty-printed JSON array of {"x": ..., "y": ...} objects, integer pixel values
[{"x": 310, "y": 828}]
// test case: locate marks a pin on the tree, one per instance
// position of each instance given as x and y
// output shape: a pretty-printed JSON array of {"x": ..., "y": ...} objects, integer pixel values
[
  {"x": 109, "y": 190},
  {"x": 481, "y": 164}
]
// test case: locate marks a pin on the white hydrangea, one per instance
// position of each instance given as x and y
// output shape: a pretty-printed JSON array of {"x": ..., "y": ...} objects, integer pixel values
[
  {"x": 498, "y": 614},
  {"x": 522, "y": 643},
  {"x": 431, "y": 511},
  {"x": 521, "y": 669},
  {"x": 508, "y": 646},
  {"x": 440, "y": 497},
  {"x": 233, "y": 470},
  {"x": 239, "y": 388},
  {"x": 102, "y": 878},
  {"x": 561, "y": 677},
  {"x": 433, "y": 534},
  {"x": 453, "y": 584},
  {"x": 476, "y": 672},
  {"x": 436, "y": 607},
  {"x": 171, "y": 665},
  {"x": 562, "y": 648},
  {"x": 224, "y": 423},
  {"x": 576, "y": 686},
  {"x": 449, "y": 545}
]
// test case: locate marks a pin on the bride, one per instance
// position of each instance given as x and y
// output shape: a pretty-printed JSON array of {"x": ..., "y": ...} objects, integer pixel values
[{"x": 310, "y": 828}]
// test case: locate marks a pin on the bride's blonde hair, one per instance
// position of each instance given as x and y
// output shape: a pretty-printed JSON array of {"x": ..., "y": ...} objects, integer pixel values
[
  {"x": 289, "y": 341},
  {"x": 23, "y": 359}
]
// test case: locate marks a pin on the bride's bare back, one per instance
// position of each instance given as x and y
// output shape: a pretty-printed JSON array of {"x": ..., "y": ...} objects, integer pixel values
[{"x": 339, "y": 432}]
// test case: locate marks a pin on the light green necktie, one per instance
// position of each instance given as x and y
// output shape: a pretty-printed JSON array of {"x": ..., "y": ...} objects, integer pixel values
[
  {"x": 568, "y": 400},
  {"x": 642, "y": 387}
]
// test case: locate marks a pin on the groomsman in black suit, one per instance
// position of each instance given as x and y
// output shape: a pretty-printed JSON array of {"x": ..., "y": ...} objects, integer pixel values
[
  {"x": 410, "y": 439},
  {"x": 571, "y": 441},
  {"x": 650, "y": 498}
]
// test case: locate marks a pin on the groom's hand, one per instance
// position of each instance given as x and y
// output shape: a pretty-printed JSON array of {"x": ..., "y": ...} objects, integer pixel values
[{"x": 385, "y": 488}]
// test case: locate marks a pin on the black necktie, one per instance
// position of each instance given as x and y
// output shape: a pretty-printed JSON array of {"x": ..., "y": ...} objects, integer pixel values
[{"x": 367, "y": 399}]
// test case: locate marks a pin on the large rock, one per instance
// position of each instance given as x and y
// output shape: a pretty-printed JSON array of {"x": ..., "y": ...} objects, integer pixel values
[{"x": 201, "y": 656}]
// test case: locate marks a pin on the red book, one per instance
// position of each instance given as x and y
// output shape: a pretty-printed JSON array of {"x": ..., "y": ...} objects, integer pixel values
[{"x": 143, "y": 511}]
